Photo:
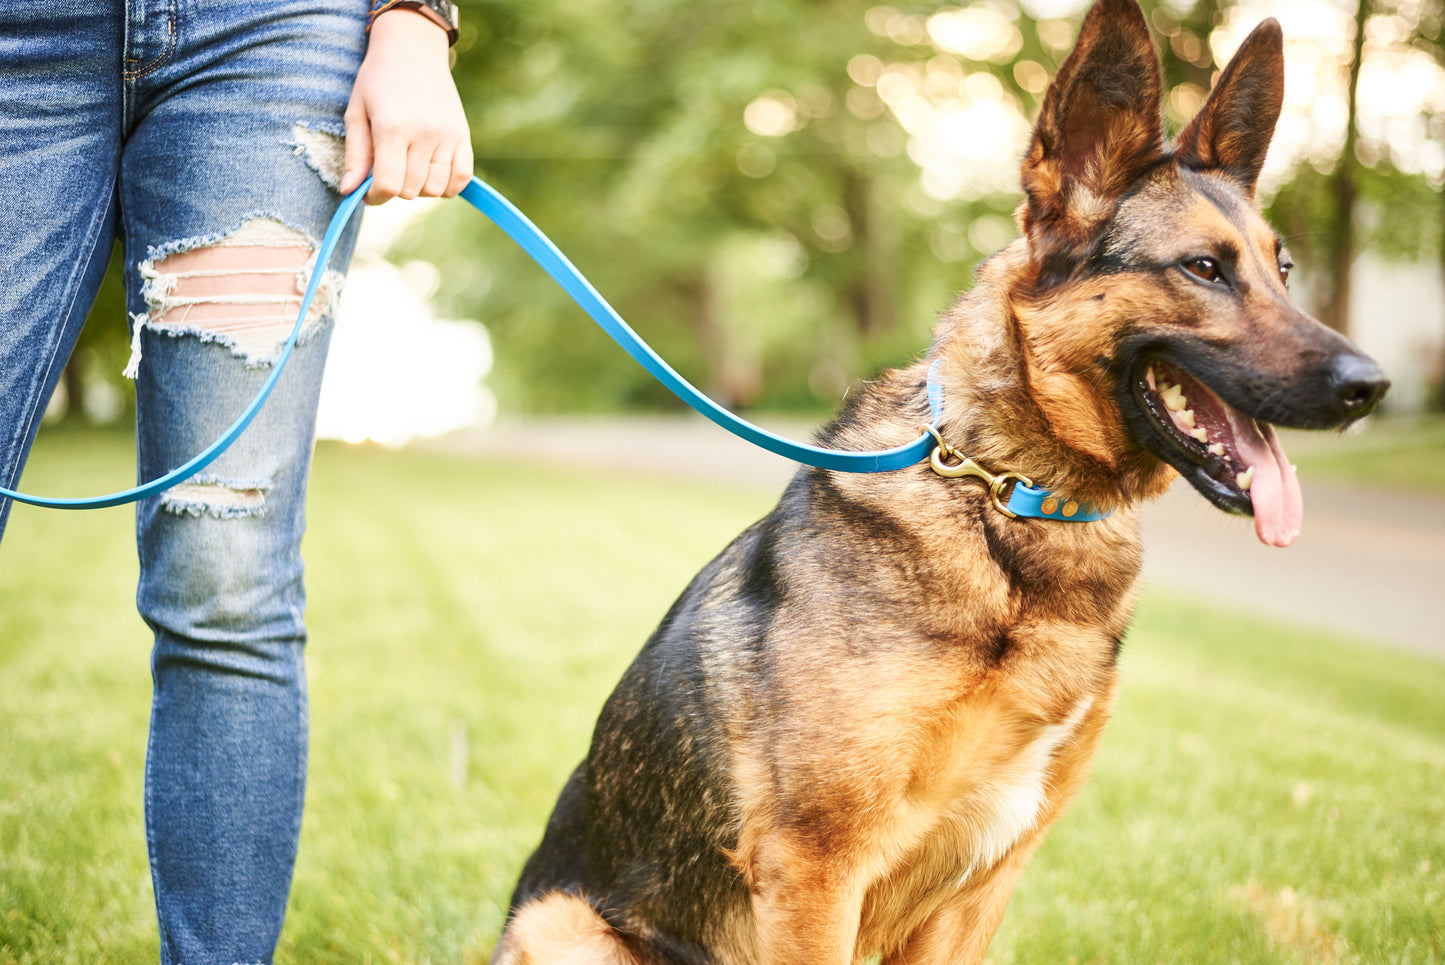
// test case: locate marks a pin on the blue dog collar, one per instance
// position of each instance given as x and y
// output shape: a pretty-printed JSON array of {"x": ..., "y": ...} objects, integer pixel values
[{"x": 1042, "y": 504}]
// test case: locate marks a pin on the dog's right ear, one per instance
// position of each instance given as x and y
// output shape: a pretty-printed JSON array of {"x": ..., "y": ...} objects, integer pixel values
[{"x": 1098, "y": 130}]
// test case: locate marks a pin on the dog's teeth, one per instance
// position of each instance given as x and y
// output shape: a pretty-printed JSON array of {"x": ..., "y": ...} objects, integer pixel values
[
  {"x": 1186, "y": 416},
  {"x": 1174, "y": 398},
  {"x": 1151, "y": 380},
  {"x": 1217, "y": 449},
  {"x": 1201, "y": 434},
  {"x": 1244, "y": 479}
]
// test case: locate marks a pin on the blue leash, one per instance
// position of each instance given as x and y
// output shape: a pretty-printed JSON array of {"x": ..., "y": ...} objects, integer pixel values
[
  {"x": 540, "y": 248},
  {"x": 1030, "y": 501}
]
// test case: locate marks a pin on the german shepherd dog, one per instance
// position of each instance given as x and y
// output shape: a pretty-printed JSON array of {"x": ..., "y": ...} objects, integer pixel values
[{"x": 849, "y": 733}]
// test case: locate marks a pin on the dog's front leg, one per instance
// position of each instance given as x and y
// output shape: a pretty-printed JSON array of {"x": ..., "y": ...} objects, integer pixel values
[
  {"x": 806, "y": 902},
  {"x": 959, "y": 932}
]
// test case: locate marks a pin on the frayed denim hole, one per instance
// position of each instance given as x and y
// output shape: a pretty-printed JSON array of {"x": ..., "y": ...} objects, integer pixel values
[
  {"x": 323, "y": 151},
  {"x": 216, "y": 498},
  {"x": 244, "y": 297}
]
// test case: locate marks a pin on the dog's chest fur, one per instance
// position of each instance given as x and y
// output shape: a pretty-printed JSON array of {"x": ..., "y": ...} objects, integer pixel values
[
  {"x": 949, "y": 669},
  {"x": 994, "y": 815}
]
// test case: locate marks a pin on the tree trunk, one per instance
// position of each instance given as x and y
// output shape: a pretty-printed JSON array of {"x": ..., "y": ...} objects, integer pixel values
[
  {"x": 74, "y": 392},
  {"x": 1344, "y": 193},
  {"x": 874, "y": 306},
  {"x": 1437, "y": 375},
  {"x": 734, "y": 377}
]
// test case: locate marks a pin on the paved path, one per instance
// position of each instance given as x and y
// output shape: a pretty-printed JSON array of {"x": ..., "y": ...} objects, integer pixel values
[{"x": 1356, "y": 568}]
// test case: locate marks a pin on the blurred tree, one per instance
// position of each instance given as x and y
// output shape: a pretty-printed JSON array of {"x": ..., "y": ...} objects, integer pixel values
[
  {"x": 92, "y": 389},
  {"x": 1373, "y": 194},
  {"x": 1188, "y": 59},
  {"x": 782, "y": 195},
  {"x": 1344, "y": 189},
  {"x": 1428, "y": 37},
  {"x": 703, "y": 166}
]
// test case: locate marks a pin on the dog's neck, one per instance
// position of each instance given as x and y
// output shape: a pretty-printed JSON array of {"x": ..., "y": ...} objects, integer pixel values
[{"x": 1004, "y": 406}]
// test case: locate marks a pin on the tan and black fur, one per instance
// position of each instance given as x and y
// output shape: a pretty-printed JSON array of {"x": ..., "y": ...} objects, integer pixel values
[{"x": 850, "y": 732}]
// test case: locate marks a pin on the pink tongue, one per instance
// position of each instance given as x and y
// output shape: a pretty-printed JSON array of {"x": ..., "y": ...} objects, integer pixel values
[{"x": 1275, "y": 492}]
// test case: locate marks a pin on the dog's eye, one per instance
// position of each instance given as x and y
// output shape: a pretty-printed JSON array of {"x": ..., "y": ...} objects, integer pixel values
[
  {"x": 1284, "y": 268},
  {"x": 1205, "y": 269}
]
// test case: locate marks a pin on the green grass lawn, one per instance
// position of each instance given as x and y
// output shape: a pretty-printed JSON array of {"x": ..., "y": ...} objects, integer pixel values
[
  {"x": 1406, "y": 454},
  {"x": 1263, "y": 795}
]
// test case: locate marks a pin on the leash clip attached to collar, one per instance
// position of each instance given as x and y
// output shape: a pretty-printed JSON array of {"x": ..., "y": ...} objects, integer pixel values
[
  {"x": 965, "y": 466},
  {"x": 1025, "y": 500}
]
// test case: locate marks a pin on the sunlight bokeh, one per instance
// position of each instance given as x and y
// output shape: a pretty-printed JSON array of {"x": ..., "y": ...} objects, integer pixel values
[
  {"x": 397, "y": 372},
  {"x": 967, "y": 133}
]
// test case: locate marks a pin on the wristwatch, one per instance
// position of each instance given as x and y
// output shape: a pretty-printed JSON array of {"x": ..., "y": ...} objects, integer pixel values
[{"x": 443, "y": 12}]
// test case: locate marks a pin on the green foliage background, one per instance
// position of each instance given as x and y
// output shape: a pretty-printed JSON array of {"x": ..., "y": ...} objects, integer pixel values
[{"x": 772, "y": 270}]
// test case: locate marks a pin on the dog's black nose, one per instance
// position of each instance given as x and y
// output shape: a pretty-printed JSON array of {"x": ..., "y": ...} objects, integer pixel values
[{"x": 1359, "y": 383}]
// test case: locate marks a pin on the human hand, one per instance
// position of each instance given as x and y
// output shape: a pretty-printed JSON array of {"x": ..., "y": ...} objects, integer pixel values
[{"x": 405, "y": 124}]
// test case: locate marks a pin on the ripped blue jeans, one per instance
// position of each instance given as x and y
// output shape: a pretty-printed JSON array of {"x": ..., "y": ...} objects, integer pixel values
[{"x": 206, "y": 137}]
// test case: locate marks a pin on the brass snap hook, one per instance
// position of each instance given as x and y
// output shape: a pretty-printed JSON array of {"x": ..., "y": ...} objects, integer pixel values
[
  {"x": 964, "y": 467},
  {"x": 995, "y": 489},
  {"x": 939, "y": 461}
]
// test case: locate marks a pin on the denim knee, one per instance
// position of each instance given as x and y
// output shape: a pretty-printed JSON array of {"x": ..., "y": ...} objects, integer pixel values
[{"x": 221, "y": 565}]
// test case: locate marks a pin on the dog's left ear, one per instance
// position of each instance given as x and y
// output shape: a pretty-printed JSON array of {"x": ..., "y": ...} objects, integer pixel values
[
  {"x": 1099, "y": 129},
  {"x": 1232, "y": 131}
]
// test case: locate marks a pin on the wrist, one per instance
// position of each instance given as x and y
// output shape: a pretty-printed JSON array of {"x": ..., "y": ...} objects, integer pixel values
[{"x": 440, "y": 13}]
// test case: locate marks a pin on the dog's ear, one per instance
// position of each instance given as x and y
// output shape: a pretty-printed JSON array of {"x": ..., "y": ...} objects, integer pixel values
[
  {"x": 1232, "y": 131},
  {"x": 1098, "y": 130}
]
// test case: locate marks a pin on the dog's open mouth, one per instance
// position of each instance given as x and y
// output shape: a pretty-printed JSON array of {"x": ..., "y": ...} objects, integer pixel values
[{"x": 1228, "y": 456}]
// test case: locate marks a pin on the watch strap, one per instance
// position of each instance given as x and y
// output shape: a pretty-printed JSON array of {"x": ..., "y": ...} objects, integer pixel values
[{"x": 445, "y": 11}]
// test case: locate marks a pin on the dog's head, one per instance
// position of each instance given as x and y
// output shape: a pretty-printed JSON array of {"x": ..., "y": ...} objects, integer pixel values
[{"x": 1155, "y": 286}]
